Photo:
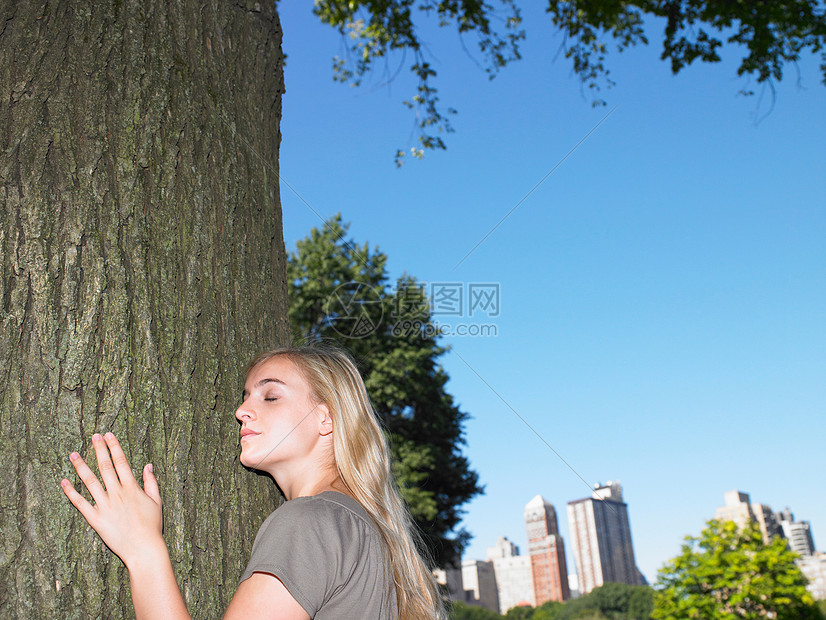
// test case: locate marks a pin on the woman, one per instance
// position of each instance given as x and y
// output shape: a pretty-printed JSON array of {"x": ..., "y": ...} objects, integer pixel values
[{"x": 341, "y": 546}]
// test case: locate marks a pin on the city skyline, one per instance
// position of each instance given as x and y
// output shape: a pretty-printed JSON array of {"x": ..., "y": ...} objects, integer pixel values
[
  {"x": 603, "y": 547},
  {"x": 799, "y": 533}
]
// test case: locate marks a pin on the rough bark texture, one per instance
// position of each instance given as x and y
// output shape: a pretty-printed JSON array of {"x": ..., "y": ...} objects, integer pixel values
[{"x": 142, "y": 266}]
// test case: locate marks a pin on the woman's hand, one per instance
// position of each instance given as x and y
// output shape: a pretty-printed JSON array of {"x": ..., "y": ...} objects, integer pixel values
[{"x": 128, "y": 519}]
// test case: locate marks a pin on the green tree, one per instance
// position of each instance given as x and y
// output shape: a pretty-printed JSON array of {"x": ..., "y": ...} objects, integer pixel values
[
  {"x": 520, "y": 613},
  {"x": 729, "y": 573},
  {"x": 640, "y": 603},
  {"x": 620, "y": 601},
  {"x": 463, "y": 611},
  {"x": 549, "y": 610},
  {"x": 613, "y": 601},
  {"x": 769, "y": 34},
  {"x": 339, "y": 291}
]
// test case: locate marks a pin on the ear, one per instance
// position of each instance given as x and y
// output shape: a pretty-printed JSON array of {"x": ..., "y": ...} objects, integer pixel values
[{"x": 325, "y": 420}]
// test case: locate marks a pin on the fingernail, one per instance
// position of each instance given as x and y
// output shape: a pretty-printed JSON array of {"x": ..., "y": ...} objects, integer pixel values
[
  {"x": 96, "y": 437},
  {"x": 64, "y": 483},
  {"x": 151, "y": 469},
  {"x": 74, "y": 456},
  {"x": 110, "y": 435}
]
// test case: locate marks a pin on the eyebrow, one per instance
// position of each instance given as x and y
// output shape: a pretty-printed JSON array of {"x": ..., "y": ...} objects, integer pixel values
[{"x": 264, "y": 382}]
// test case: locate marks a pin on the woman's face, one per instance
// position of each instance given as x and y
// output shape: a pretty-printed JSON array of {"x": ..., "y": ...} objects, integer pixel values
[{"x": 280, "y": 422}]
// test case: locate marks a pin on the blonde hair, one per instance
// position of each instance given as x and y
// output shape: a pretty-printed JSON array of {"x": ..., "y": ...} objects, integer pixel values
[{"x": 362, "y": 459}]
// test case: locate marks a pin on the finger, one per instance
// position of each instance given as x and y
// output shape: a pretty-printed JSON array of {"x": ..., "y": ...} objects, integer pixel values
[
  {"x": 150, "y": 484},
  {"x": 122, "y": 466},
  {"x": 78, "y": 501},
  {"x": 105, "y": 467},
  {"x": 88, "y": 477}
]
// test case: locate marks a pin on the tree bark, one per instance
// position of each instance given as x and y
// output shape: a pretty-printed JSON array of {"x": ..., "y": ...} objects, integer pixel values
[{"x": 142, "y": 266}]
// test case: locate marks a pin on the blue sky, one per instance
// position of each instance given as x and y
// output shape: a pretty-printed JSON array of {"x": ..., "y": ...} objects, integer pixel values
[{"x": 662, "y": 293}]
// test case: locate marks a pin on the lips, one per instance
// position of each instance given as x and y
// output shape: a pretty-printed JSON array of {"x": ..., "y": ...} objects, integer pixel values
[{"x": 245, "y": 432}]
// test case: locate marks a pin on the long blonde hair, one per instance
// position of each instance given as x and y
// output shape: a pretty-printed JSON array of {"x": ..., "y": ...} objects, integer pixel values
[{"x": 362, "y": 458}]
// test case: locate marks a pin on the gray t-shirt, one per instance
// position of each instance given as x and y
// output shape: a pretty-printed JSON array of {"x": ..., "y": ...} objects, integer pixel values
[{"x": 329, "y": 555}]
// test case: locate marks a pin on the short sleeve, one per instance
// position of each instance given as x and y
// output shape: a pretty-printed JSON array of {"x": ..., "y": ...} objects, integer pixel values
[{"x": 301, "y": 544}]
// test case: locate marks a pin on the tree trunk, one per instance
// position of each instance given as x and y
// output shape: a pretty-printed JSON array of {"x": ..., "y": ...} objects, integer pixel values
[{"x": 142, "y": 266}]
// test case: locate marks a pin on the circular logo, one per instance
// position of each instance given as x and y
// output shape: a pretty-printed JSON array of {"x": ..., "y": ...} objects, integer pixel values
[{"x": 354, "y": 310}]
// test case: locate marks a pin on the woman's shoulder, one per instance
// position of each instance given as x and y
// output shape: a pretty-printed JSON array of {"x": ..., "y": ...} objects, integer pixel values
[
  {"x": 330, "y": 529},
  {"x": 328, "y": 554},
  {"x": 334, "y": 502},
  {"x": 321, "y": 511}
]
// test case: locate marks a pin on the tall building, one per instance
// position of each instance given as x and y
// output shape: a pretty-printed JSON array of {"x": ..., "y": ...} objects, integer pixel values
[
  {"x": 798, "y": 533},
  {"x": 573, "y": 585},
  {"x": 450, "y": 578},
  {"x": 767, "y": 520},
  {"x": 738, "y": 508},
  {"x": 549, "y": 571},
  {"x": 513, "y": 575},
  {"x": 814, "y": 568},
  {"x": 479, "y": 582},
  {"x": 601, "y": 538}
]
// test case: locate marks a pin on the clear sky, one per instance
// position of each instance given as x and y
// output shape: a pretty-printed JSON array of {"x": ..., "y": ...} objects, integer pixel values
[{"x": 662, "y": 293}]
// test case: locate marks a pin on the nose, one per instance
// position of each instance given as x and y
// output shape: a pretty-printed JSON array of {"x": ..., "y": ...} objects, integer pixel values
[{"x": 244, "y": 412}]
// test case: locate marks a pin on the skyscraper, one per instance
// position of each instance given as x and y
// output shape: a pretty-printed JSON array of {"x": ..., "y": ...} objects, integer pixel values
[
  {"x": 738, "y": 508},
  {"x": 601, "y": 538},
  {"x": 479, "y": 583},
  {"x": 799, "y": 533},
  {"x": 549, "y": 571},
  {"x": 513, "y": 575}
]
